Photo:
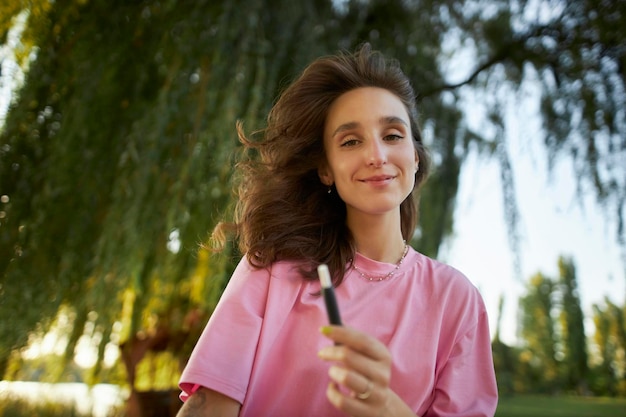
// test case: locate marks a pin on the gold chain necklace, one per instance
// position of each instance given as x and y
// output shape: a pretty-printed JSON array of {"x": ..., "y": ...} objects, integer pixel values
[{"x": 391, "y": 273}]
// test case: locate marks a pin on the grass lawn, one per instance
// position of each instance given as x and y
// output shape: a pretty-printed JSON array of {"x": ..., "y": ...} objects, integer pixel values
[{"x": 544, "y": 406}]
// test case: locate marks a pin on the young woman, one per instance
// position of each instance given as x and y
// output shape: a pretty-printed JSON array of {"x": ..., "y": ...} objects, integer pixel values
[{"x": 332, "y": 181}]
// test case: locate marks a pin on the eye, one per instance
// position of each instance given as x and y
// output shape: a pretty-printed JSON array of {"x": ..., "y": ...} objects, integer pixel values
[
  {"x": 349, "y": 142},
  {"x": 393, "y": 137}
]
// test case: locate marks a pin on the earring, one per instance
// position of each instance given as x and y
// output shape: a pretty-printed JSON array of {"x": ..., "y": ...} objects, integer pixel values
[{"x": 330, "y": 189}]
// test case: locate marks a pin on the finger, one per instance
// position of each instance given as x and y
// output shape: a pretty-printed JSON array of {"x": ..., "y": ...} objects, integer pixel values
[
  {"x": 348, "y": 357},
  {"x": 366, "y": 393},
  {"x": 354, "y": 361},
  {"x": 359, "y": 386},
  {"x": 345, "y": 403},
  {"x": 353, "y": 406},
  {"x": 357, "y": 341},
  {"x": 377, "y": 369}
]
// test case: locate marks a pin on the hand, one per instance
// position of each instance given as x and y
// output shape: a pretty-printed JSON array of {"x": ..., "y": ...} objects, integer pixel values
[{"x": 360, "y": 373}]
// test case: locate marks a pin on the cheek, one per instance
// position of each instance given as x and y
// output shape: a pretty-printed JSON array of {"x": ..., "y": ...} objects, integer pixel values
[
  {"x": 408, "y": 159},
  {"x": 338, "y": 165}
]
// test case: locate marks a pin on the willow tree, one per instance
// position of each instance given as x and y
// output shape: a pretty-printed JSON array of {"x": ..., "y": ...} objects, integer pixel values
[
  {"x": 610, "y": 339},
  {"x": 116, "y": 153},
  {"x": 538, "y": 330},
  {"x": 572, "y": 328}
]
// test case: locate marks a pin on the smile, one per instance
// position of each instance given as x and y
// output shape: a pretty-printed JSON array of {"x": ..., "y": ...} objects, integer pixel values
[{"x": 378, "y": 179}]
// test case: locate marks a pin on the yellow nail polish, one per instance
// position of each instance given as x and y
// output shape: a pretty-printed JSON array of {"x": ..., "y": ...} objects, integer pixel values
[{"x": 325, "y": 330}]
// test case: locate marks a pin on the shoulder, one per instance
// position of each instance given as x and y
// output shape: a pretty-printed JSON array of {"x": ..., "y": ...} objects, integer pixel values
[
  {"x": 448, "y": 285},
  {"x": 259, "y": 290},
  {"x": 250, "y": 284},
  {"x": 276, "y": 269},
  {"x": 246, "y": 272},
  {"x": 441, "y": 274}
]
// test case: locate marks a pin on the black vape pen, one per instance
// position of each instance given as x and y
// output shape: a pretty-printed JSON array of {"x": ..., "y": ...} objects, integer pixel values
[{"x": 329, "y": 295}]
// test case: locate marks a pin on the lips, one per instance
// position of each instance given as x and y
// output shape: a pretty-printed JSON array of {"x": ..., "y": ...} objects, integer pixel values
[{"x": 378, "y": 179}]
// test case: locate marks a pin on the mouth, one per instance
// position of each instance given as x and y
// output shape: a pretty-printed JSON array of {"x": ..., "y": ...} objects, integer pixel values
[{"x": 378, "y": 179}]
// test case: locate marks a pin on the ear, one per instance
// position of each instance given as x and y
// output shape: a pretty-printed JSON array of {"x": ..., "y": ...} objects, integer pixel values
[
  {"x": 417, "y": 161},
  {"x": 326, "y": 177}
]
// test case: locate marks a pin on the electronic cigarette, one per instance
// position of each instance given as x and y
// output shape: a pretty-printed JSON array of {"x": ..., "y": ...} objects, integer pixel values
[{"x": 329, "y": 295}]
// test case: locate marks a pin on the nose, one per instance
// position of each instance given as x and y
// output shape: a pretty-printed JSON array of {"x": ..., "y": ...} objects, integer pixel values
[{"x": 376, "y": 153}]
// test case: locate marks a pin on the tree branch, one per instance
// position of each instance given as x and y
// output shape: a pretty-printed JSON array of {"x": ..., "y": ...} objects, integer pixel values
[
  {"x": 505, "y": 52},
  {"x": 499, "y": 57}
]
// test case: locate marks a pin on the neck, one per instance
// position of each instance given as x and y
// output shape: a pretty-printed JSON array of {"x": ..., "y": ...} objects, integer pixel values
[{"x": 379, "y": 239}]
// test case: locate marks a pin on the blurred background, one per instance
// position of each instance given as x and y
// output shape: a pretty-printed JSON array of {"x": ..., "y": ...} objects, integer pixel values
[{"x": 117, "y": 142}]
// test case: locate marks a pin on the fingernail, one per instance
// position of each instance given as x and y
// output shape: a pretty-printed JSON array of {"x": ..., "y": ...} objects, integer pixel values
[
  {"x": 325, "y": 330},
  {"x": 323, "y": 353},
  {"x": 336, "y": 374}
]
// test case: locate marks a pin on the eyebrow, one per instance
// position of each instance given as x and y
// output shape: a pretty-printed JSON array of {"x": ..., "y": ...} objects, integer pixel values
[{"x": 386, "y": 120}]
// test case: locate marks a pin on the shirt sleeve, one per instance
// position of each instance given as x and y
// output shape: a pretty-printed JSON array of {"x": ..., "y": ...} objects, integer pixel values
[
  {"x": 224, "y": 354},
  {"x": 466, "y": 385}
]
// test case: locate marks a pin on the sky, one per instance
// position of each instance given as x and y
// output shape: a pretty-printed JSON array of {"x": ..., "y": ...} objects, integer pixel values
[{"x": 554, "y": 221}]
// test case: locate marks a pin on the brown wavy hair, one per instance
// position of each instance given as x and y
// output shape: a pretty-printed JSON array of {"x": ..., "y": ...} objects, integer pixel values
[{"x": 283, "y": 211}]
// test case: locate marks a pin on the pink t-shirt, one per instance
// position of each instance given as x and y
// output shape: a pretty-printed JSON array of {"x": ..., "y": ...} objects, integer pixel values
[{"x": 260, "y": 345}]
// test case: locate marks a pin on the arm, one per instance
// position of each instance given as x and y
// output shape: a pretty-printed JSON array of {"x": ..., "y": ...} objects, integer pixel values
[{"x": 209, "y": 403}]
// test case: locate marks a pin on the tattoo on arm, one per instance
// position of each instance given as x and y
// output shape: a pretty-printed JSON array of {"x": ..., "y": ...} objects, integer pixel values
[
  {"x": 198, "y": 400},
  {"x": 194, "y": 404}
]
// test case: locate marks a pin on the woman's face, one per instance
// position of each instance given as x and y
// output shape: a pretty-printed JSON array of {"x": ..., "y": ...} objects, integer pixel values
[{"x": 369, "y": 150}]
